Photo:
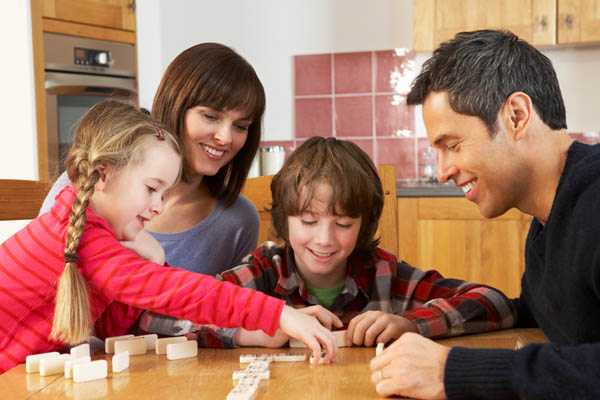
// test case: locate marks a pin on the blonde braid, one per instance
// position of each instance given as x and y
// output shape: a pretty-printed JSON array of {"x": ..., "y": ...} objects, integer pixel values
[{"x": 72, "y": 314}]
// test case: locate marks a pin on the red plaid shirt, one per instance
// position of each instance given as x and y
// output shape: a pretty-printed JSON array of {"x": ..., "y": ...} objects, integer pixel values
[{"x": 438, "y": 306}]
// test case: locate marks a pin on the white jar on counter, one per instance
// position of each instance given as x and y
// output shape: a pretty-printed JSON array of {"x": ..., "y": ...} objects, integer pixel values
[
  {"x": 271, "y": 159},
  {"x": 255, "y": 167}
]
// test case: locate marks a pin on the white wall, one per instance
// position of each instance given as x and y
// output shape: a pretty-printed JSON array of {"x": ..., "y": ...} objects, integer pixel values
[
  {"x": 268, "y": 33},
  {"x": 18, "y": 148},
  {"x": 18, "y": 151}
]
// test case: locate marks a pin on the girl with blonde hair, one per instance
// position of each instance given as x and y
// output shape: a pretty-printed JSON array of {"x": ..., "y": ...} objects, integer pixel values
[
  {"x": 213, "y": 100},
  {"x": 88, "y": 264}
]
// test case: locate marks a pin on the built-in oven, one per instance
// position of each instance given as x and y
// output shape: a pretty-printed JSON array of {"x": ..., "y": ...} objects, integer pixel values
[{"x": 79, "y": 73}]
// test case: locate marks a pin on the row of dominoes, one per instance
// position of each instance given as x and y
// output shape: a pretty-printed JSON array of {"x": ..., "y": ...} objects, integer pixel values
[
  {"x": 174, "y": 347},
  {"x": 257, "y": 370},
  {"x": 249, "y": 379},
  {"x": 78, "y": 364}
]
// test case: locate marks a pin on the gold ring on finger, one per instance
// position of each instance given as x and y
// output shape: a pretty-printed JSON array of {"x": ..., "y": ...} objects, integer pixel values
[{"x": 380, "y": 375}]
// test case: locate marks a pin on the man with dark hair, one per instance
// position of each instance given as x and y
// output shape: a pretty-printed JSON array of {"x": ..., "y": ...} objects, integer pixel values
[{"x": 494, "y": 112}]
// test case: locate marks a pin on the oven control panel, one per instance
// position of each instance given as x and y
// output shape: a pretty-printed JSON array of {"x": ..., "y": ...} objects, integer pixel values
[{"x": 96, "y": 58}]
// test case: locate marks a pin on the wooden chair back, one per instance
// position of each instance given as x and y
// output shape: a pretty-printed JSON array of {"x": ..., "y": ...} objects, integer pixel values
[
  {"x": 21, "y": 199},
  {"x": 258, "y": 191}
]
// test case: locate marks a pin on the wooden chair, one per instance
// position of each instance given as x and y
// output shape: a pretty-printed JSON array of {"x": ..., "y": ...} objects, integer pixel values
[
  {"x": 258, "y": 191},
  {"x": 21, "y": 199}
]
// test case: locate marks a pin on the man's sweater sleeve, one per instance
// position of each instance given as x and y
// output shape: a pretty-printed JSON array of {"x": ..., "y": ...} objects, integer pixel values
[{"x": 537, "y": 371}]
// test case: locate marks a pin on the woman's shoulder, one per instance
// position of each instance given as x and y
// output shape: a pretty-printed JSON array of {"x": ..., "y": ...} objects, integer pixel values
[{"x": 242, "y": 209}]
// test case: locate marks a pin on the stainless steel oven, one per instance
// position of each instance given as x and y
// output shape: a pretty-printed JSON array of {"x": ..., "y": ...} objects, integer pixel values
[{"x": 79, "y": 73}]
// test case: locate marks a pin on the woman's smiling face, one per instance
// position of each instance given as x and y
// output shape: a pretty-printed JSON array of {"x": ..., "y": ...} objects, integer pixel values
[{"x": 212, "y": 138}]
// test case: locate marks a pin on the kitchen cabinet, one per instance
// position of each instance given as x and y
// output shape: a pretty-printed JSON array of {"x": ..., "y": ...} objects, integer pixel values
[
  {"x": 98, "y": 19},
  {"x": 578, "y": 21},
  {"x": 450, "y": 235},
  {"x": 540, "y": 22}
]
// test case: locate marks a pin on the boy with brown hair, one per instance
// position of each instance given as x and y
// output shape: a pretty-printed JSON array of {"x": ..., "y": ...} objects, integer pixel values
[{"x": 327, "y": 201}]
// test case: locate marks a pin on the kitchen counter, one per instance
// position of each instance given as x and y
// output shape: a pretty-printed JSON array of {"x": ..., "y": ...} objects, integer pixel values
[{"x": 413, "y": 188}]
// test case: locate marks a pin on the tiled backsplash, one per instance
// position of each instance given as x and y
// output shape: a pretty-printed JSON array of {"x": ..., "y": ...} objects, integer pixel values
[{"x": 362, "y": 97}]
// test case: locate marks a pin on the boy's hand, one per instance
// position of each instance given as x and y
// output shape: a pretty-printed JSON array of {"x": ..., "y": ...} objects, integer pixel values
[
  {"x": 373, "y": 327},
  {"x": 325, "y": 317},
  {"x": 145, "y": 246},
  {"x": 308, "y": 330}
]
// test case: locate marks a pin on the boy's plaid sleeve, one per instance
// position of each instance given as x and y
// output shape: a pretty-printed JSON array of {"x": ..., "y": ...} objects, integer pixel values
[{"x": 443, "y": 307}]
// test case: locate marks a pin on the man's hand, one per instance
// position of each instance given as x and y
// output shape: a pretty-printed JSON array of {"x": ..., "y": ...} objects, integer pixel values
[
  {"x": 413, "y": 366},
  {"x": 373, "y": 327}
]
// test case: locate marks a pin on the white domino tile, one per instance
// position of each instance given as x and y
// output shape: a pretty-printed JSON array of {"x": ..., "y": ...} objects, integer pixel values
[
  {"x": 74, "y": 361},
  {"x": 253, "y": 375},
  {"x": 150, "y": 340},
  {"x": 242, "y": 392},
  {"x": 176, "y": 351},
  {"x": 379, "y": 349},
  {"x": 32, "y": 362},
  {"x": 248, "y": 358},
  {"x": 80, "y": 351},
  {"x": 321, "y": 360},
  {"x": 134, "y": 346},
  {"x": 53, "y": 365},
  {"x": 109, "y": 346},
  {"x": 289, "y": 357},
  {"x": 90, "y": 371},
  {"x": 259, "y": 365},
  {"x": 161, "y": 344},
  {"x": 120, "y": 362},
  {"x": 340, "y": 337},
  {"x": 256, "y": 368}
]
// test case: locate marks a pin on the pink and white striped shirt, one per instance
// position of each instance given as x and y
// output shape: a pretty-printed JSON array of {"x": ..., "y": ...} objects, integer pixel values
[{"x": 121, "y": 284}]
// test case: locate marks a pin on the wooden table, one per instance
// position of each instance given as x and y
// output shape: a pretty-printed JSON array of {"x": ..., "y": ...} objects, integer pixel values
[{"x": 208, "y": 376}]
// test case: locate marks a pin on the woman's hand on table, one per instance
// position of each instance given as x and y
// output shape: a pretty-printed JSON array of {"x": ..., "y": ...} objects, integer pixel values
[
  {"x": 372, "y": 327},
  {"x": 413, "y": 366}
]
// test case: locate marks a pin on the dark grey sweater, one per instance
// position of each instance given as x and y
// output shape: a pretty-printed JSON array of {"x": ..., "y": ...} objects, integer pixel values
[{"x": 560, "y": 294}]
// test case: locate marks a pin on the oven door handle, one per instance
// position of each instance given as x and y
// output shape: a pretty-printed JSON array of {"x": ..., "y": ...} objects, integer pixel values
[{"x": 57, "y": 80}]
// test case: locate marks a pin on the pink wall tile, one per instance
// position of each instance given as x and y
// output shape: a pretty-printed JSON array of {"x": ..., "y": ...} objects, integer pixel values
[
  {"x": 393, "y": 117},
  {"x": 353, "y": 116},
  {"x": 398, "y": 151},
  {"x": 352, "y": 72},
  {"x": 366, "y": 145},
  {"x": 390, "y": 66},
  {"x": 312, "y": 74},
  {"x": 313, "y": 117}
]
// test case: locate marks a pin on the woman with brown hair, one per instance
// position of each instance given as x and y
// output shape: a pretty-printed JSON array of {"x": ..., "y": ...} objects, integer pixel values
[{"x": 212, "y": 99}]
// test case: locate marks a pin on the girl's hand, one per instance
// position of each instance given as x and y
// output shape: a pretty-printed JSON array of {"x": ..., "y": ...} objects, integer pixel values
[
  {"x": 325, "y": 317},
  {"x": 373, "y": 327},
  {"x": 308, "y": 330},
  {"x": 146, "y": 247}
]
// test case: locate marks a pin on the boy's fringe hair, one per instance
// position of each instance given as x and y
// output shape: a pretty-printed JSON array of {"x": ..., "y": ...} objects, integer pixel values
[{"x": 113, "y": 132}]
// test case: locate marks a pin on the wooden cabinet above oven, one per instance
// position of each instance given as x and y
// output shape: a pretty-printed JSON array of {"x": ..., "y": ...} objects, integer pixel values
[{"x": 96, "y": 19}]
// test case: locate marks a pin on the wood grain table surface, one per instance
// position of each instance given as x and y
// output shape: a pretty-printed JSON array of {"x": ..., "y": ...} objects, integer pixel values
[{"x": 209, "y": 376}]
